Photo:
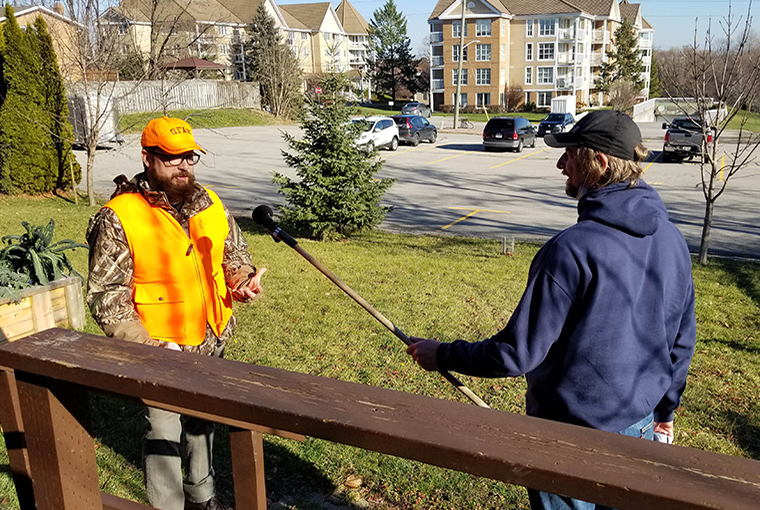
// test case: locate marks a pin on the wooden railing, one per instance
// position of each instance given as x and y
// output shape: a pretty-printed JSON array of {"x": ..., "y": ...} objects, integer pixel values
[{"x": 54, "y": 370}]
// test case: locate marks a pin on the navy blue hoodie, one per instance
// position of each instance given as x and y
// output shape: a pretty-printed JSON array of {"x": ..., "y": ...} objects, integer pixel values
[{"x": 605, "y": 330}]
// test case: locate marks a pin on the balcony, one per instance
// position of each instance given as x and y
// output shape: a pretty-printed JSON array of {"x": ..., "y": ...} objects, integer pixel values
[
  {"x": 600, "y": 36},
  {"x": 566, "y": 82},
  {"x": 357, "y": 61},
  {"x": 566, "y": 58},
  {"x": 597, "y": 59},
  {"x": 566, "y": 34},
  {"x": 437, "y": 85},
  {"x": 436, "y": 61},
  {"x": 357, "y": 45},
  {"x": 436, "y": 37}
]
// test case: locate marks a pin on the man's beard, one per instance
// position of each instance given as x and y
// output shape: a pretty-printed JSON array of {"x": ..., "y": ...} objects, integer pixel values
[{"x": 177, "y": 192}]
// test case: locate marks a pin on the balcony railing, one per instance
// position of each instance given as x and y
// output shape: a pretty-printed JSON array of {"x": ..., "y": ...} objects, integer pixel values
[
  {"x": 566, "y": 82},
  {"x": 566, "y": 58},
  {"x": 436, "y": 37},
  {"x": 357, "y": 46},
  {"x": 601, "y": 36},
  {"x": 436, "y": 60},
  {"x": 566, "y": 33},
  {"x": 438, "y": 84},
  {"x": 596, "y": 59}
]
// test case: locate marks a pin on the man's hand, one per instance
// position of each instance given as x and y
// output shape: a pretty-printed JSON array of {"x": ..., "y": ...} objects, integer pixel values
[
  {"x": 250, "y": 290},
  {"x": 665, "y": 428},
  {"x": 424, "y": 352}
]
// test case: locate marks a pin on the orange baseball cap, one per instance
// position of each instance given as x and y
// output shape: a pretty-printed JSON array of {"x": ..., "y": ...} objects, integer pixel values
[{"x": 173, "y": 136}]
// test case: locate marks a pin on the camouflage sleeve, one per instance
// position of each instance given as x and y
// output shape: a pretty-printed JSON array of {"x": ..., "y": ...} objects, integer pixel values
[
  {"x": 236, "y": 262},
  {"x": 109, "y": 285}
]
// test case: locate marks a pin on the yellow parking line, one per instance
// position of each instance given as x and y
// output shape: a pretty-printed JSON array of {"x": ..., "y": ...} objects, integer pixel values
[
  {"x": 521, "y": 157},
  {"x": 651, "y": 163},
  {"x": 450, "y": 157},
  {"x": 473, "y": 213}
]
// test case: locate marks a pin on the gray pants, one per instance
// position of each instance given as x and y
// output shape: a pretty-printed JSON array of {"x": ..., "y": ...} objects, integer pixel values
[{"x": 174, "y": 443}]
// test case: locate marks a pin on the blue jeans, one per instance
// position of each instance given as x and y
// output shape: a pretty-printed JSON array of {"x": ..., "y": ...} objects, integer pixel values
[{"x": 539, "y": 500}]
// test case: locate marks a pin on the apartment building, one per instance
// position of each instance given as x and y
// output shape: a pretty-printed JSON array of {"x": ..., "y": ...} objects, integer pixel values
[
  {"x": 548, "y": 48},
  {"x": 324, "y": 39}
]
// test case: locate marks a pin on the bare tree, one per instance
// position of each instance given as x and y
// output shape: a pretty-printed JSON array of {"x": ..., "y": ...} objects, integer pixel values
[
  {"x": 101, "y": 46},
  {"x": 513, "y": 96},
  {"x": 283, "y": 81},
  {"x": 723, "y": 75},
  {"x": 623, "y": 95}
]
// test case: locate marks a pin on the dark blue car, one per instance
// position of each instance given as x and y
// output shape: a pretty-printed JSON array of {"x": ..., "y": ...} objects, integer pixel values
[{"x": 556, "y": 123}]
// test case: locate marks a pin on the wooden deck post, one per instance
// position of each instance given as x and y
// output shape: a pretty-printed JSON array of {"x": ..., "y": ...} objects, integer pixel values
[
  {"x": 15, "y": 442},
  {"x": 247, "y": 447},
  {"x": 60, "y": 449}
]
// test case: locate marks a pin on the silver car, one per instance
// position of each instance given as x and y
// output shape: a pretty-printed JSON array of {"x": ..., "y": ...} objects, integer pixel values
[{"x": 416, "y": 109}]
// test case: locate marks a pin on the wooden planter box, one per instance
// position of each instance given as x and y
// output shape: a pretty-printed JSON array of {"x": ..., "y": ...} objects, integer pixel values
[{"x": 57, "y": 305}]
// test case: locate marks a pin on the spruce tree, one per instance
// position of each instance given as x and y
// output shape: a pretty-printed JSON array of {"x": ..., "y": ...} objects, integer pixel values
[
  {"x": 627, "y": 56},
  {"x": 336, "y": 193},
  {"x": 25, "y": 164},
  {"x": 391, "y": 60},
  {"x": 56, "y": 107}
]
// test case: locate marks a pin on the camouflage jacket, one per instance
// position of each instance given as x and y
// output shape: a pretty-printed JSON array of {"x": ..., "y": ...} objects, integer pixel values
[{"x": 109, "y": 286}]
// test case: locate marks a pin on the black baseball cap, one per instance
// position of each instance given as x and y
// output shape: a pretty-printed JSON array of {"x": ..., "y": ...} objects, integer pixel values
[{"x": 608, "y": 131}]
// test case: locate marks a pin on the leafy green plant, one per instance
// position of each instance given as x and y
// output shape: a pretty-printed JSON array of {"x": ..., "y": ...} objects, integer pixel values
[{"x": 36, "y": 257}]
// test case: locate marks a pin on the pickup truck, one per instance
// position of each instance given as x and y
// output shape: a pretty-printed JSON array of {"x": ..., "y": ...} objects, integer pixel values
[{"x": 683, "y": 139}]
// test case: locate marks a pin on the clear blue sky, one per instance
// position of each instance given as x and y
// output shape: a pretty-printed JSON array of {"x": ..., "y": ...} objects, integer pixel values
[{"x": 673, "y": 20}]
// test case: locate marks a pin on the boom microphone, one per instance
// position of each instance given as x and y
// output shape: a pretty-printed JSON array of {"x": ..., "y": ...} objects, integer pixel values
[{"x": 263, "y": 216}]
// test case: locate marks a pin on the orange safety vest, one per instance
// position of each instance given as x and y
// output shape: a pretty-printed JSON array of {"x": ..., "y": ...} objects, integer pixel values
[{"x": 179, "y": 283}]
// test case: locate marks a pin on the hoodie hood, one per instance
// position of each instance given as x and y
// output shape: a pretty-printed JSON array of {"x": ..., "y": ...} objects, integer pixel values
[{"x": 637, "y": 211}]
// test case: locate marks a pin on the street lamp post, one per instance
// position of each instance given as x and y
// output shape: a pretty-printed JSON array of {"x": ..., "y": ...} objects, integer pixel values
[{"x": 462, "y": 46}]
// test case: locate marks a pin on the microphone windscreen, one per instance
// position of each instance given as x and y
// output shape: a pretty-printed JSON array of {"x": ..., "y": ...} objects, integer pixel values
[{"x": 262, "y": 215}]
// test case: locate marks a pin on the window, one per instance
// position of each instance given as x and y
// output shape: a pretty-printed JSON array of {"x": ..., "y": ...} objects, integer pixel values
[
  {"x": 304, "y": 36},
  {"x": 462, "y": 99},
  {"x": 544, "y": 99},
  {"x": 545, "y": 51},
  {"x": 529, "y": 28},
  {"x": 222, "y": 29},
  {"x": 503, "y": 52},
  {"x": 529, "y": 51},
  {"x": 464, "y": 76},
  {"x": 483, "y": 98},
  {"x": 455, "y": 53},
  {"x": 225, "y": 49},
  {"x": 483, "y": 52},
  {"x": 545, "y": 75},
  {"x": 545, "y": 27},
  {"x": 456, "y": 28},
  {"x": 501, "y": 98},
  {"x": 482, "y": 76},
  {"x": 306, "y": 52},
  {"x": 527, "y": 97},
  {"x": 503, "y": 28},
  {"x": 529, "y": 76},
  {"x": 502, "y": 75},
  {"x": 483, "y": 28}
]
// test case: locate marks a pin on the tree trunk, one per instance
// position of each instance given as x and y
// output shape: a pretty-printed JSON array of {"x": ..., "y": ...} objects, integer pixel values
[
  {"x": 705, "y": 240},
  {"x": 91, "y": 147}
]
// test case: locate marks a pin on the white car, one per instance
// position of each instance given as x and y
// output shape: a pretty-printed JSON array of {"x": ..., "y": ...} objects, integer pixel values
[{"x": 377, "y": 132}]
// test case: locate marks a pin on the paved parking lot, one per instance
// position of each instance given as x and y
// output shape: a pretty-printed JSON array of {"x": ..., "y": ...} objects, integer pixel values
[{"x": 455, "y": 187}]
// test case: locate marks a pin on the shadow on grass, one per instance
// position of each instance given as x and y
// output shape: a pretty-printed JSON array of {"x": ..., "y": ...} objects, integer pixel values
[
  {"x": 747, "y": 434},
  {"x": 120, "y": 425}
]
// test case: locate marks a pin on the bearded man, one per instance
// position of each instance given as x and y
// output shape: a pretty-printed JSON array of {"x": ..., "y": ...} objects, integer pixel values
[{"x": 166, "y": 261}]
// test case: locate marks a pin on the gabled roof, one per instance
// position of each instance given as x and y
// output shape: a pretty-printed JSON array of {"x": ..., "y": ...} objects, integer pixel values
[
  {"x": 308, "y": 16},
  {"x": 27, "y": 9},
  {"x": 243, "y": 9},
  {"x": 537, "y": 7},
  {"x": 352, "y": 21},
  {"x": 645, "y": 24},
  {"x": 630, "y": 12},
  {"x": 191, "y": 10}
]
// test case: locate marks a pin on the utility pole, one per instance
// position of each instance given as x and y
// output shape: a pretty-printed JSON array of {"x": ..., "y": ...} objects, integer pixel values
[{"x": 459, "y": 71}]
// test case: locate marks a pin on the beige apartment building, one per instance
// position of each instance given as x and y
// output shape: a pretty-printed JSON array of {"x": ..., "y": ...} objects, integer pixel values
[
  {"x": 549, "y": 48},
  {"x": 324, "y": 39}
]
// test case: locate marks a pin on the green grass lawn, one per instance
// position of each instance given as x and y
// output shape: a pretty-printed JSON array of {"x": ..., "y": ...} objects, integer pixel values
[
  {"x": 751, "y": 122},
  {"x": 217, "y": 118},
  {"x": 438, "y": 287}
]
